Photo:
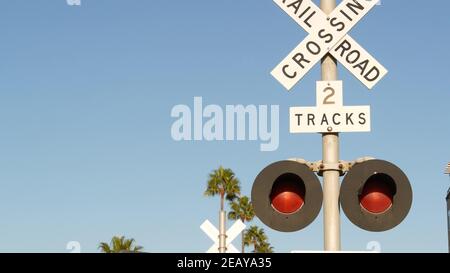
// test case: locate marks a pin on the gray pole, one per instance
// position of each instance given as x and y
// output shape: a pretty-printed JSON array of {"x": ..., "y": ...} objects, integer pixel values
[
  {"x": 330, "y": 155},
  {"x": 448, "y": 218},
  {"x": 222, "y": 232}
]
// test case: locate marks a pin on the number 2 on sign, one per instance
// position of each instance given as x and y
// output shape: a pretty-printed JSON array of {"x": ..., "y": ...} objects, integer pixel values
[
  {"x": 327, "y": 100},
  {"x": 329, "y": 93}
]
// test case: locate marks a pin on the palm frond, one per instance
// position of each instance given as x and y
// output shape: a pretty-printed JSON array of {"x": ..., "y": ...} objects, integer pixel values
[
  {"x": 256, "y": 237},
  {"x": 120, "y": 245},
  {"x": 137, "y": 249},
  {"x": 264, "y": 247},
  {"x": 232, "y": 215},
  {"x": 104, "y": 247},
  {"x": 241, "y": 208},
  {"x": 224, "y": 182}
]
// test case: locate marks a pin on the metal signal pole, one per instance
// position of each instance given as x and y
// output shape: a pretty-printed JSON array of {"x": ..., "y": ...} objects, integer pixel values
[
  {"x": 330, "y": 157},
  {"x": 447, "y": 171},
  {"x": 448, "y": 217}
]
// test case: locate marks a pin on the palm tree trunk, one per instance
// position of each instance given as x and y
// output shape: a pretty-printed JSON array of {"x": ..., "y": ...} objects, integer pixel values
[
  {"x": 221, "y": 201},
  {"x": 243, "y": 242}
]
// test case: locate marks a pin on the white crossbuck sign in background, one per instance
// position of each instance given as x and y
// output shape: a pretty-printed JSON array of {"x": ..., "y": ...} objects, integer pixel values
[
  {"x": 328, "y": 34},
  {"x": 213, "y": 234}
]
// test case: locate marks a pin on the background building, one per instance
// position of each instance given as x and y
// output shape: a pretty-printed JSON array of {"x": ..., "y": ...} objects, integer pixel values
[{"x": 448, "y": 218}]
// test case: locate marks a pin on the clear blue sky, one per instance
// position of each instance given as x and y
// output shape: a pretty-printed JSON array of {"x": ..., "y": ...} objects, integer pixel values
[{"x": 85, "y": 100}]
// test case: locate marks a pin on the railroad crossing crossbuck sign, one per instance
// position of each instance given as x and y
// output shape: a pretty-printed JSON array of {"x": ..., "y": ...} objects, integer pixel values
[
  {"x": 213, "y": 234},
  {"x": 328, "y": 34}
]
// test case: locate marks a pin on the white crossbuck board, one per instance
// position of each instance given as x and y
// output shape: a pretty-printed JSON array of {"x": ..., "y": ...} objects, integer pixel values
[
  {"x": 330, "y": 115},
  {"x": 328, "y": 34},
  {"x": 213, "y": 234}
]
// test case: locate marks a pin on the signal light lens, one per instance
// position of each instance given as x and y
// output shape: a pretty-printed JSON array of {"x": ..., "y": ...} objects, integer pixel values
[
  {"x": 288, "y": 193},
  {"x": 377, "y": 194}
]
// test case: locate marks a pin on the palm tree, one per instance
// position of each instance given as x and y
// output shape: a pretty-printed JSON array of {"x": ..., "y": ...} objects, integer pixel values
[
  {"x": 242, "y": 209},
  {"x": 223, "y": 182},
  {"x": 120, "y": 245},
  {"x": 264, "y": 247},
  {"x": 254, "y": 236}
]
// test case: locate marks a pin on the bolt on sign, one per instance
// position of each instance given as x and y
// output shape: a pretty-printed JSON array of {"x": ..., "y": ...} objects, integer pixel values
[{"x": 328, "y": 34}]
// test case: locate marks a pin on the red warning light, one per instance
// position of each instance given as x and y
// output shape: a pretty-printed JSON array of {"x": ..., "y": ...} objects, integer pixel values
[
  {"x": 288, "y": 194},
  {"x": 377, "y": 194}
]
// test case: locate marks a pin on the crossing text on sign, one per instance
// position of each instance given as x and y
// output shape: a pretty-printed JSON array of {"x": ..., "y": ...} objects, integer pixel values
[{"x": 328, "y": 34}]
